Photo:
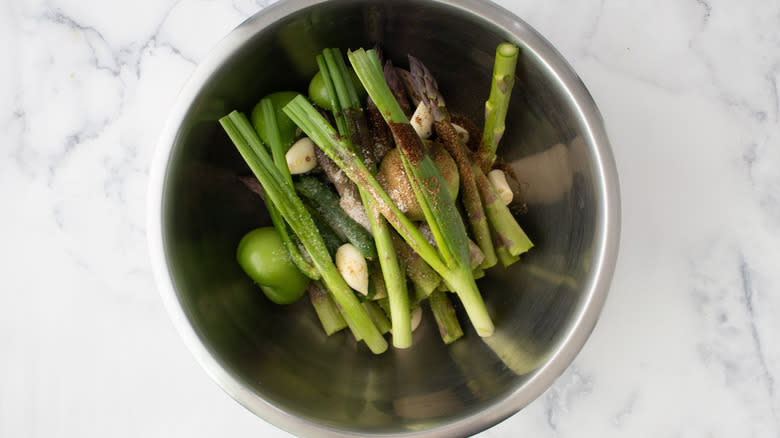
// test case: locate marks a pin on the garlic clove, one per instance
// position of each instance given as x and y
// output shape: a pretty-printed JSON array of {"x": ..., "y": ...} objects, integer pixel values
[
  {"x": 422, "y": 121},
  {"x": 497, "y": 178},
  {"x": 300, "y": 157},
  {"x": 353, "y": 267},
  {"x": 463, "y": 134}
]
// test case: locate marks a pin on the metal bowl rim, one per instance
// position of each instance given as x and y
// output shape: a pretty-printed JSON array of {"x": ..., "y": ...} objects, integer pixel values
[{"x": 607, "y": 235}]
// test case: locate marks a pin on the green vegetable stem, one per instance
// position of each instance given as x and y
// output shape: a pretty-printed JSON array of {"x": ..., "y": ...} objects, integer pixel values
[{"x": 353, "y": 127}]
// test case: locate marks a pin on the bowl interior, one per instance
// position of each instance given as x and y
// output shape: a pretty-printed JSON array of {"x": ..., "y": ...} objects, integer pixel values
[{"x": 279, "y": 354}]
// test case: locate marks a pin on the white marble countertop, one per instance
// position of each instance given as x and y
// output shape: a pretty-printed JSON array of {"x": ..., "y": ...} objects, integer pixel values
[{"x": 687, "y": 345}]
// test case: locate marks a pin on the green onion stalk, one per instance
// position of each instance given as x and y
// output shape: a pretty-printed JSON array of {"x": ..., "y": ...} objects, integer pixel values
[
  {"x": 278, "y": 153},
  {"x": 278, "y": 189},
  {"x": 328, "y": 313},
  {"x": 444, "y": 313},
  {"x": 353, "y": 128}
]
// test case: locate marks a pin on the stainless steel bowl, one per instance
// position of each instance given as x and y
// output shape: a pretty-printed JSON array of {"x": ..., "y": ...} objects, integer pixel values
[{"x": 275, "y": 360}]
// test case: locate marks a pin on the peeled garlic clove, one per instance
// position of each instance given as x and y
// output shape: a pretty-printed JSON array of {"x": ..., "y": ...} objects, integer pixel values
[
  {"x": 498, "y": 179},
  {"x": 416, "y": 317},
  {"x": 300, "y": 157},
  {"x": 422, "y": 121},
  {"x": 463, "y": 134},
  {"x": 353, "y": 267}
]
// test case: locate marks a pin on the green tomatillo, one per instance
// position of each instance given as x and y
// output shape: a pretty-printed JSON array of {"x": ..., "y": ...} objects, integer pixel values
[
  {"x": 287, "y": 128},
  {"x": 264, "y": 258},
  {"x": 319, "y": 94}
]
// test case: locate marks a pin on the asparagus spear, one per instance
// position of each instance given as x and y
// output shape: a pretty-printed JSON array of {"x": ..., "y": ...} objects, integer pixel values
[
  {"x": 406, "y": 79},
  {"x": 396, "y": 85},
  {"x": 418, "y": 271},
  {"x": 504, "y": 256},
  {"x": 452, "y": 261},
  {"x": 425, "y": 85},
  {"x": 349, "y": 198},
  {"x": 503, "y": 224},
  {"x": 380, "y": 132},
  {"x": 282, "y": 194},
  {"x": 352, "y": 125},
  {"x": 497, "y": 104}
]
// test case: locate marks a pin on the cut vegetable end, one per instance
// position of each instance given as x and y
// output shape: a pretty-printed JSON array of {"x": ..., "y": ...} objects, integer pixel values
[
  {"x": 377, "y": 316},
  {"x": 507, "y": 49},
  {"x": 489, "y": 262},
  {"x": 449, "y": 327},
  {"x": 505, "y": 257},
  {"x": 464, "y": 286},
  {"x": 326, "y": 309}
]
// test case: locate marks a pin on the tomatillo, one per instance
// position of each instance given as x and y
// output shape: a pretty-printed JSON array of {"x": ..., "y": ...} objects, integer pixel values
[
  {"x": 286, "y": 126},
  {"x": 264, "y": 258},
  {"x": 319, "y": 94}
]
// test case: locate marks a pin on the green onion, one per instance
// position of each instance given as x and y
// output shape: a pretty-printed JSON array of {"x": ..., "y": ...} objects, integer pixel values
[
  {"x": 352, "y": 125},
  {"x": 278, "y": 153}
]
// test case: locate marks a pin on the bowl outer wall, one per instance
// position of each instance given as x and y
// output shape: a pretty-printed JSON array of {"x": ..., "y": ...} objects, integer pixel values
[{"x": 606, "y": 238}]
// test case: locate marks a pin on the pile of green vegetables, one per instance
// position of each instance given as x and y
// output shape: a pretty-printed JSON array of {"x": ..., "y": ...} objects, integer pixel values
[{"x": 393, "y": 206}]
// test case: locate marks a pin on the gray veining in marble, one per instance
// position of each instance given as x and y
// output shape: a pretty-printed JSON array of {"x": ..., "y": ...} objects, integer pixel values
[{"x": 687, "y": 345}]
